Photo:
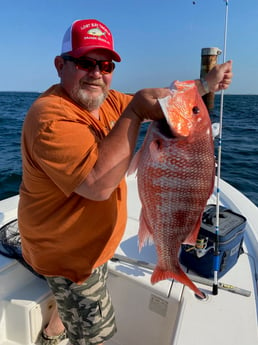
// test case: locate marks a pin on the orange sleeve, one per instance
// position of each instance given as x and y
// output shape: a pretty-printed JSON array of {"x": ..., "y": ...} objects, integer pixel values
[{"x": 66, "y": 152}]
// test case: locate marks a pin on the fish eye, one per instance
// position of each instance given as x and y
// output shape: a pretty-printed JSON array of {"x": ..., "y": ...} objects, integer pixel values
[{"x": 195, "y": 110}]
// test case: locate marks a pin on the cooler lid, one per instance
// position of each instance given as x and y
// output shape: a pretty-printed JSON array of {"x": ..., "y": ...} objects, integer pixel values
[{"x": 228, "y": 220}]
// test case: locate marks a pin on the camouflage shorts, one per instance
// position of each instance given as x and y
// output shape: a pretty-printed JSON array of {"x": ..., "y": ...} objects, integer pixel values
[{"x": 86, "y": 310}]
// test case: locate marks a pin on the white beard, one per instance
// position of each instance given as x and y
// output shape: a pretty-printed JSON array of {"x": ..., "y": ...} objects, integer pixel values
[{"x": 89, "y": 102}]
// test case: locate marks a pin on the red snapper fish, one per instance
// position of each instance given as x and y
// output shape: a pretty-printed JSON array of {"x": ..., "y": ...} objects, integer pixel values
[{"x": 175, "y": 178}]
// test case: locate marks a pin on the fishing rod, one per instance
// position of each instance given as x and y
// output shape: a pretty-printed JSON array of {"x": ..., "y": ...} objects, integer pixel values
[{"x": 216, "y": 244}]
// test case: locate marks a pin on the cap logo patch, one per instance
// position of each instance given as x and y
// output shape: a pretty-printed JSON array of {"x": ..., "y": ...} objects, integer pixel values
[{"x": 96, "y": 32}]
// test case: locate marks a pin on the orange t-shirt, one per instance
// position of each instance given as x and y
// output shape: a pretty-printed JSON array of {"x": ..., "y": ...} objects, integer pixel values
[{"x": 64, "y": 234}]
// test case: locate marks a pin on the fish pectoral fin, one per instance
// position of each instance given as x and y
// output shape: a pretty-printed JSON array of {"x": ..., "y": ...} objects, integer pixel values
[
  {"x": 134, "y": 163},
  {"x": 155, "y": 148}
]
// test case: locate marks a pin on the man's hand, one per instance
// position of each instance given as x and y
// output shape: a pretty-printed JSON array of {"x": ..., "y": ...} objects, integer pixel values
[
  {"x": 219, "y": 78},
  {"x": 145, "y": 104}
]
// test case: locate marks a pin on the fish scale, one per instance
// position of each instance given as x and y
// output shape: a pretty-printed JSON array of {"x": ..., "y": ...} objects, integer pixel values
[{"x": 175, "y": 176}]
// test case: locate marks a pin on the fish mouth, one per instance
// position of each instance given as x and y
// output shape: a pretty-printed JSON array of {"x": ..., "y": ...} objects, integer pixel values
[{"x": 164, "y": 129}]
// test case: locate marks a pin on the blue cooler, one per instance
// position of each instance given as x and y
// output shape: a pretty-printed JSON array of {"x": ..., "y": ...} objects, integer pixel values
[{"x": 200, "y": 258}]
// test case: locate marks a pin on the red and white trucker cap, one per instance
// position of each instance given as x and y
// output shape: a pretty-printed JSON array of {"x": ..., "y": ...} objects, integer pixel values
[{"x": 86, "y": 35}]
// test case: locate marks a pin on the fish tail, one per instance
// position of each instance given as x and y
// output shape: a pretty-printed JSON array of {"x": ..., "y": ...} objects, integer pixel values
[{"x": 181, "y": 277}]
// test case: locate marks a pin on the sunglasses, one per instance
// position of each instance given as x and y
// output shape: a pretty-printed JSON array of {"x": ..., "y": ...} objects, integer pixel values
[{"x": 88, "y": 64}]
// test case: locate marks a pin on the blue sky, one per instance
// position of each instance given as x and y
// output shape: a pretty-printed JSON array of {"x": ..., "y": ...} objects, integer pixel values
[{"x": 159, "y": 40}]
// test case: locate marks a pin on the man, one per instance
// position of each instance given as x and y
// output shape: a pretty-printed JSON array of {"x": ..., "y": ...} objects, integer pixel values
[{"x": 78, "y": 140}]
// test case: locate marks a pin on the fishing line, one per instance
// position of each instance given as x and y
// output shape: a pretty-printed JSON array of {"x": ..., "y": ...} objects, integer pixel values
[{"x": 216, "y": 245}]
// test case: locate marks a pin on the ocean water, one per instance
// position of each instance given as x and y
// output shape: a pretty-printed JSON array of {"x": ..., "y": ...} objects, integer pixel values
[{"x": 239, "y": 140}]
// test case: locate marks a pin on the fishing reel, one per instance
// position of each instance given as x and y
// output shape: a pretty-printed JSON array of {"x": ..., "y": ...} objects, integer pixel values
[{"x": 200, "y": 248}]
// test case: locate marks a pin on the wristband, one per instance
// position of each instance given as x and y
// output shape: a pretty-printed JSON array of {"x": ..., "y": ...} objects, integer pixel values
[{"x": 205, "y": 85}]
